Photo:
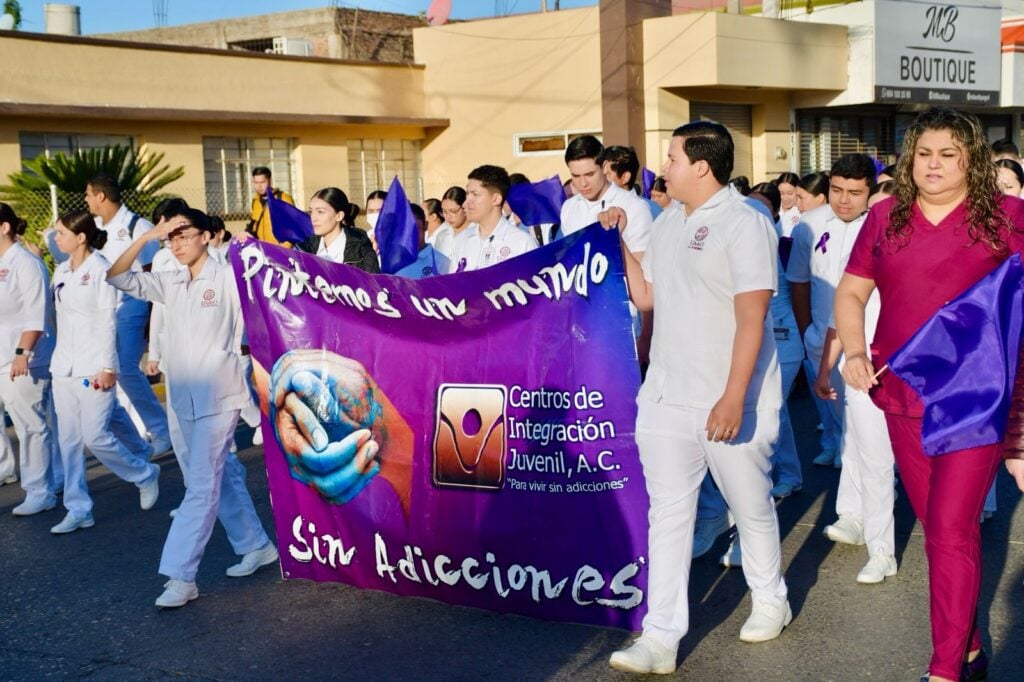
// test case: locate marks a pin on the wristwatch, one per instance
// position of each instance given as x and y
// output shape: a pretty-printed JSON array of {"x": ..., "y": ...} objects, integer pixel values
[{"x": 27, "y": 352}]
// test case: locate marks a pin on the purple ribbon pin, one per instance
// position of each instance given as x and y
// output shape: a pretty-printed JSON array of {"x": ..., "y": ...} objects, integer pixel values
[{"x": 821, "y": 243}]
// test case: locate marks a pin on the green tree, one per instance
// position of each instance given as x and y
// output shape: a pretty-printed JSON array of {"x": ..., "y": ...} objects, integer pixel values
[
  {"x": 141, "y": 175},
  {"x": 13, "y": 7}
]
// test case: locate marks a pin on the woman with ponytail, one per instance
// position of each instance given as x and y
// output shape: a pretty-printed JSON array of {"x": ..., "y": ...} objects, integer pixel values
[
  {"x": 26, "y": 343},
  {"x": 84, "y": 372}
]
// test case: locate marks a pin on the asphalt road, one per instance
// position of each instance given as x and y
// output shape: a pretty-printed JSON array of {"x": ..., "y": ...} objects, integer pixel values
[{"x": 82, "y": 606}]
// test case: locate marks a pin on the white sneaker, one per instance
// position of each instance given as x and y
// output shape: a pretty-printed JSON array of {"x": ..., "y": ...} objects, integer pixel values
[
  {"x": 706, "y": 532},
  {"x": 257, "y": 436},
  {"x": 71, "y": 523},
  {"x": 13, "y": 478},
  {"x": 766, "y": 621},
  {"x": 177, "y": 593},
  {"x": 846, "y": 530},
  {"x": 149, "y": 492},
  {"x": 253, "y": 561},
  {"x": 826, "y": 458},
  {"x": 785, "y": 489},
  {"x": 34, "y": 506},
  {"x": 645, "y": 656},
  {"x": 733, "y": 557},
  {"x": 161, "y": 446},
  {"x": 878, "y": 568}
]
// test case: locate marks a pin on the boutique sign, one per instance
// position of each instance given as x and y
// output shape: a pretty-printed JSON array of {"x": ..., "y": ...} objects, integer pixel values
[{"x": 937, "y": 53}]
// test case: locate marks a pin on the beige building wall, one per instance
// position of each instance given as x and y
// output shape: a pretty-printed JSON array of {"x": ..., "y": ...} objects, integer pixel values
[{"x": 495, "y": 78}]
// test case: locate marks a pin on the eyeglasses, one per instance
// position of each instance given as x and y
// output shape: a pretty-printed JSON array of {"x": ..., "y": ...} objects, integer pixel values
[
  {"x": 182, "y": 238},
  {"x": 451, "y": 211}
]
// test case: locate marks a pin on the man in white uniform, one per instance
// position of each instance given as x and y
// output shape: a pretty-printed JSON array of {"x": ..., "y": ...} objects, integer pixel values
[
  {"x": 103, "y": 197},
  {"x": 712, "y": 394},
  {"x": 491, "y": 237}
]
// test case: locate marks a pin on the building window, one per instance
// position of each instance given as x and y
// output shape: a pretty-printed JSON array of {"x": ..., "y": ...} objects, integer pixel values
[
  {"x": 228, "y": 164},
  {"x": 373, "y": 164},
  {"x": 826, "y": 137},
  {"x": 34, "y": 144},
  {"x": 263, "y": 45},
  {"x": 549, "y": 143}
]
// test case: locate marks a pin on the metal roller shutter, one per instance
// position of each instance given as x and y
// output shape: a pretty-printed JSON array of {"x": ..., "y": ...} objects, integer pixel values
[{"x": 735, "y": 117}]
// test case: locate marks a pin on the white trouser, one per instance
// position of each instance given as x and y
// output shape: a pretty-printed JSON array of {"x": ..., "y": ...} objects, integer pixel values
[
  {"x": 785, "y": 460},
  {"x": 131, "y": 339},
  {"x": 178, "y": 441},
  {"x": 124, "y": 430},
  {"x": 215, "y": 488},
  {"x": 83, "y": 417},
  {"x": 865, "y": 484},
  {"x": 25, "y": 399},
  {"x": 675, "y": 454},
  {"x": 832, "y": 433}
]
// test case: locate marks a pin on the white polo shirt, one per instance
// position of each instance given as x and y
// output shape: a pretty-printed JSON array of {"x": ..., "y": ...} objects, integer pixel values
[
  {"x": 578, "y": 213},
  {"x": 25, "y": 306},
  {"x": 698, "y": 263},
  {"x": 119, "y": 237},
  {"x": 86, "y": 318},
  {"x": 336, "y": 251},
  {"x": 789, "y": 218},
  {"x": 203, "y": 336},
  {"x": 822, "y": 243},
  {"x": 472, "y": 252}
]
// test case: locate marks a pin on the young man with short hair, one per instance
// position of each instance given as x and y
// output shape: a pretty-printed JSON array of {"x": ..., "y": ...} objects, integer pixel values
[
  {"x": 621, "y": 166},
  {"x": 492, "y": 237},
  {"x": 259, "y": 213},
  {"x": 103, "y": 198},
  {"x": 712, "y": 395}
]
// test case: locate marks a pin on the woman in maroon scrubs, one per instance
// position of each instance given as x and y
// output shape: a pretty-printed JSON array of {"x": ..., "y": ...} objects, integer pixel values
[{"x": 947, "y": 226}]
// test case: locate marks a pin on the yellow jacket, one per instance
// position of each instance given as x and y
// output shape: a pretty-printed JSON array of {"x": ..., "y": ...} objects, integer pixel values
[{"x": 259, "y": 217}]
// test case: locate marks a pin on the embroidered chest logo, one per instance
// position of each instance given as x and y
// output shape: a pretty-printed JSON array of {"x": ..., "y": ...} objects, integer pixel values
[
  {"x": 697, "y": 243},
  {"x": 122, "y": 233},
  {"x": 4, "y": 272},
  {"x": 84, "y": 280},
  {"x": 209, "y": 298},
  {"x": 504, "y": 252}
]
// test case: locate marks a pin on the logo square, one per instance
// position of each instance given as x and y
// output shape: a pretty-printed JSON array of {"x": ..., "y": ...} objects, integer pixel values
[{"x": 469, "y": 437}]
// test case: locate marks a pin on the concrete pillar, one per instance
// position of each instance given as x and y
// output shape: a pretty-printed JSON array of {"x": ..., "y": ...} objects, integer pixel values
[{"x": 622, "y": 69}]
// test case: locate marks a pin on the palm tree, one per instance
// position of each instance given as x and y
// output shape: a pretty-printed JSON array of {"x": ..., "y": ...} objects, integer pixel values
[{"x": 139, "y": 173}]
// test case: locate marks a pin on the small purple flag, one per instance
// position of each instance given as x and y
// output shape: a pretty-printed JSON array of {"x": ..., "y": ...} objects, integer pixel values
[
  {"x": 538, "y": 203},
  {"x": 963, "y": 362},
  {"x": 288, "y": 223},
  {"x": 397, "y": 236},
  {"x": 647, "y": 178}
]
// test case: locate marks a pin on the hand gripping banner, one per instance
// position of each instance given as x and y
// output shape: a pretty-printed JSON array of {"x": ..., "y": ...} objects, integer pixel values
[{"x": 467, "y": 438}]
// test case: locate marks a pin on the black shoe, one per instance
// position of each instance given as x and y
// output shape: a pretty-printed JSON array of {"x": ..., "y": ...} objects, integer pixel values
[{"x": 976, "y": 670}]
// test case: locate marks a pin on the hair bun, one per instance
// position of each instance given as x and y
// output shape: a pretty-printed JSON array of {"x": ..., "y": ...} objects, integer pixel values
[
  {"x": 99, "y": 240},
  {"x": 20, "y": 226}
]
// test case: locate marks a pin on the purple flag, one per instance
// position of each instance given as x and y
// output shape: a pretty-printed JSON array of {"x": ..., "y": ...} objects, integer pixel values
[
  {"x": 647, "y": 178},
  {"x": 963, "y": 362},
  {"x": 397, "y": 235},
  {"x": 537, "y": 203},
  {"x": 288, "y": 223}
]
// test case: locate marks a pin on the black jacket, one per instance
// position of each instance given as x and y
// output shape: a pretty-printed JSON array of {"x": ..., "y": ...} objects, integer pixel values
[{"x": 358, "y": 249}]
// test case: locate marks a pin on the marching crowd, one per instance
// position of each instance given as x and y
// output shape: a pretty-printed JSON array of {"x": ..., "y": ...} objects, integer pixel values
[{"x": 829, "y": 274}]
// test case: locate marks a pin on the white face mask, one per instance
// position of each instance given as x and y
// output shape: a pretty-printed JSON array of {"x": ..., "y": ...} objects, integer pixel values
[{"x": 372, "y": 219}]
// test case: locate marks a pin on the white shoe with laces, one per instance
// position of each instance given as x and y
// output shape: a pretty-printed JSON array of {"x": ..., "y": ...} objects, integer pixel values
[
  {"x": 846, "y": 530},
  {"x": 878, "y": 568},
  {"x": 645, "y": 656},
  {"x": 177, "y": 593},
  {"x": 254, "y": 561},
  {"x": 34, "y": 505},
  {"x": 149, "y": 492},
  {"x": 767, "y": 620},
  {"x": 71, "y": 523}
]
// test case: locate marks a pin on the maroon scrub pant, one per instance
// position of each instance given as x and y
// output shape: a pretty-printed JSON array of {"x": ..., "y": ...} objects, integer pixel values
[{"x": 947, "y": 493}]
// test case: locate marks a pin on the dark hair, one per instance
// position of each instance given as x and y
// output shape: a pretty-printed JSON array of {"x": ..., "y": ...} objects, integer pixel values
[
  {"x": 417, "y": 212},
  {"x": 885, "y": 187},
  {"x": 854, "y": 167},
  {"x": 7, "y": 215},
  {"x": 889, "y": 170},
  {"x": 770, "y": 191},
  {"x": 815, "y": 183},
  {"x": 517, "y": 179},
  {"x": 659, "y": 184},
  {"x": 338, "y": 200},
  {"x": 1005, "y": 146},
  {"x": 788, "y": 178},
  {"x": 81, "y": 222},
  {"x": 376, "y": 194},
  {"x": 168, "y": 208},
  {"x": 741, "y": 183},
  {"x": 262, "y": 170},
  {"x": 456, "y": 194},
  {"x": 710, "y": 142},
  {"x": 1014, "y": 166},
  {"x": 106, "y": 184},
  {"x": 216, "y": 225},
  {"x": 199, "y": 220},
  {"x": 987, "y": 222},
  {"x": 494, "y": 178},
  {"x": 622, "y": 160},
  {"x": 584, "y": 147},
  {"x": 433, "y": 207}
]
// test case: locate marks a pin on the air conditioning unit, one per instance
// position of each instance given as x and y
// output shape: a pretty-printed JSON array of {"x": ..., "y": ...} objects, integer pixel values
[{"x": 297, "y": 47}]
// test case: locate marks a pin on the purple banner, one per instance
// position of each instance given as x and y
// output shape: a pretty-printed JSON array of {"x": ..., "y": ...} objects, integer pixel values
[{"x": 467, "y": 438}]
